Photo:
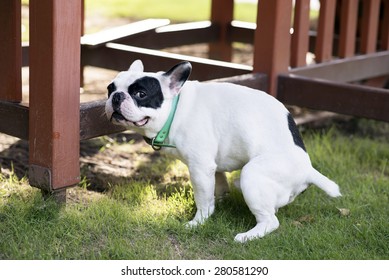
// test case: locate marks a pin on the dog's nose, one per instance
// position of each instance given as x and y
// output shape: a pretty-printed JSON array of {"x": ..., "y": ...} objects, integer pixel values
[{"x": 117, "y": 99}]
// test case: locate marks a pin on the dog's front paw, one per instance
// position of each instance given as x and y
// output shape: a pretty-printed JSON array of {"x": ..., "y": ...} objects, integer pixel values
[
  {"x": 194, "y": 223},
  {"x": 200, "y": 217}
]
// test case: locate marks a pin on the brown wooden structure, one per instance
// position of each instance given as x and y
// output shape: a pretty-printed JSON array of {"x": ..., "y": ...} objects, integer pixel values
[{"x": 351, "y": 46}]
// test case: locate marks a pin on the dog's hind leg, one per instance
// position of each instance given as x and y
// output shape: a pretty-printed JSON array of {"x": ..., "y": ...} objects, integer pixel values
[{"x": 260, "y": 192}]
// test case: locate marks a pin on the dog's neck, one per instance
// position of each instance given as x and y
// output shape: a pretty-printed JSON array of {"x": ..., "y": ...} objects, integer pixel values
[{"x": 159, "y": 140}]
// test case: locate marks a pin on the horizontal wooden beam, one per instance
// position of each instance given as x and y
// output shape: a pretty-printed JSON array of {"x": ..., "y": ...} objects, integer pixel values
[
  {"x": 348, "y": 69},
  {"x": 93, "y": 122},
  {"x": 155, "y": 34},
  {"x": 332, "y": 96},
  {"x": 119, "y": 57},
  {"x": 14, "y": 119},
  {"x": 179, "y": 35},
  {"x": 171, "y": 35},
  {"x": 117, "y": 33},
  {"x": 242, "y": 32},
  {"x": 25, "y": 54},
  {"x": 253, "y": 80}
]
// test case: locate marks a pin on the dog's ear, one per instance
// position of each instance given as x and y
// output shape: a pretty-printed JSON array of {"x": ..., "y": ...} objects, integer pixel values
[
  {"x": 136, "y": 66},
  {"x": 178, "y": 75}
]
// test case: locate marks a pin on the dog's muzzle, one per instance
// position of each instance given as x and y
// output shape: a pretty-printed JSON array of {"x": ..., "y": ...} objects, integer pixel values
[{"x": 116, "y": 101}]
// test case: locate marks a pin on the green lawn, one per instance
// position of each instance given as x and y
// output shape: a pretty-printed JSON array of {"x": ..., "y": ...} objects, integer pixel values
[
  {"x": 176, "y": 10},
  {"x": 144, "y": 217}
]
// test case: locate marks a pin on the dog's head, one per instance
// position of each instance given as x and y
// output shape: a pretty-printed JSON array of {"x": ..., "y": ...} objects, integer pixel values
[{"x": 141, "y": 100}]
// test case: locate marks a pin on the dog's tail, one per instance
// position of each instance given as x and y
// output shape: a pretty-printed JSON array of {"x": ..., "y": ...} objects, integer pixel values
[{"x": 330, "y": 187}]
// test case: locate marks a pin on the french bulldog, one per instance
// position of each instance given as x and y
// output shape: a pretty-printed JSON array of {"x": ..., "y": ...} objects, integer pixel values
[{"x": 217, "y": 128}]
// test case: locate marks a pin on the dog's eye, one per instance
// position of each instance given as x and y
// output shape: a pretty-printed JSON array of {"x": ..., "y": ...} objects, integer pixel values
[
  {"x": 140, "y": 94},
  {"x": 111, "y": 88}
]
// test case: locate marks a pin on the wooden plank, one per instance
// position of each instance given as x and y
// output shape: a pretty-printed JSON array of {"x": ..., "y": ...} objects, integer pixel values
[
  {"x": 222, "y": 12},
  {"x": 176, "y": 35},
  {"x": 118, "y": 57},
  {"x": 25, "y": 54},
  {"x": 10, "y": 51},
  {"x": 272, "y": 39},
  {"x": 14, "y": 119},
  {"x": 385, "y": 26},
  {"x": 300, "y": 36},
  {"x": 93, "y": 122},
  {"x": 348, "y": 28},
  {"x": 55, "y": 30},
  {"x": 171, "y": 36},
  {"x": 82, "y": 17},
  {"x": 325, "y": 33},
  {"x": 348, "y": 69},
  {"x": 118, "y": 33},
  {"x": 369, "y": 31},
  {"x": 253, "y": 80},
  {"x": 336, "y": 97},
  {"x": 242, "y": 31}
]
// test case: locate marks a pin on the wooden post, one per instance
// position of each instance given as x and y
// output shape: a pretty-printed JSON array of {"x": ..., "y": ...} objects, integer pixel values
[
  {"x": 55, "y": 28},
  {"x": 82, "y": 67},
  {"x": 300, "y": 37},
  {"x": 325, "y": 32},
  {"x": 385, "y": 27},
  {"x": 348, "y": 28},
  {"x": 272, "y": 39},
  {"x": 369, "y": 31},
  {"x": 222, "y": 14},
  {"x": 10, "y": 51}
]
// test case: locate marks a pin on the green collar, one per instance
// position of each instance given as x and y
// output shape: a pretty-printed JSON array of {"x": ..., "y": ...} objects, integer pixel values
[{"x": 159, "y": 141}]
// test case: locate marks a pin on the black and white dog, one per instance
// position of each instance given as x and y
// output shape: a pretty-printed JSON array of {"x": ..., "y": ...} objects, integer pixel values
[{"x": 217, "y": 128}]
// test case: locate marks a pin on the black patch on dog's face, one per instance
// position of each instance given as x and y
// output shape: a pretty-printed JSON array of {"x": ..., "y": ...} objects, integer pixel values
[
  {"x": 111, "y": 88},
  {"x": 146, "y": 92},
  {"x": 295, "y": 133}
]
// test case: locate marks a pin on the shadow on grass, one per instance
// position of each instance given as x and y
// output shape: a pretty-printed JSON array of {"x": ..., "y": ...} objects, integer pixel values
[{"x": 14, "y": 159}]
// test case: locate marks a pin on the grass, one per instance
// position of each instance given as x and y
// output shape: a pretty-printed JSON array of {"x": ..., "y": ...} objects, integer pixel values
[
  {"x": 144, "y": 217},
  {"x": 175, "y": 10}
]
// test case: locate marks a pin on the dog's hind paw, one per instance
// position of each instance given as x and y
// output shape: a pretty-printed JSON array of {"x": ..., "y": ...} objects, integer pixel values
[
  {"x": 241, "y": 238},
  {"x": 259, "y": 231}
]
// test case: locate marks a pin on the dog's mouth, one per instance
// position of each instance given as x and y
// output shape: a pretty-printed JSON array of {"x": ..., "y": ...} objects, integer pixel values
[
  {"x": 119, "y": 117},
  {"x": 142, "y": 122}
]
